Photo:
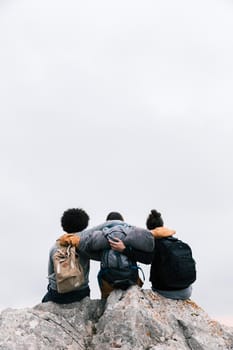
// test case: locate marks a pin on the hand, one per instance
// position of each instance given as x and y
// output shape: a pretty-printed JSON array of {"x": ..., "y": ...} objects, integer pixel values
[
  {"x": 117, "y": 245},
  {"x": 69, "y": 239},
  {"x": 162, "y": 232}
]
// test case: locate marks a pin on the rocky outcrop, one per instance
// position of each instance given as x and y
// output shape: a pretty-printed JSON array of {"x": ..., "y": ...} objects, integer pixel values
[{"x": 135, "y": 319}]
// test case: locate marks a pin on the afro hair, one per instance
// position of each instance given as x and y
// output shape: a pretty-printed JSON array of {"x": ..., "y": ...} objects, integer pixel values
[{"x": 74, "y": 220}]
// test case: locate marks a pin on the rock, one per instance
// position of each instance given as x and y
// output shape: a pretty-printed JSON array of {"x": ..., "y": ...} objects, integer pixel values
[
  {"x": 50, "y": 326},
  {"x": 135, "y": 319}
]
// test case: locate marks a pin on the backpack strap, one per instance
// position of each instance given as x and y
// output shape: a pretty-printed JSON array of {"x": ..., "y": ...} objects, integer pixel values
[{"x": 136, "y": 267}]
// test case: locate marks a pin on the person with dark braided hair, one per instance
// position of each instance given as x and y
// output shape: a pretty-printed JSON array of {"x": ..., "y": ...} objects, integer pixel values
[{"x": 158, "y": 277}]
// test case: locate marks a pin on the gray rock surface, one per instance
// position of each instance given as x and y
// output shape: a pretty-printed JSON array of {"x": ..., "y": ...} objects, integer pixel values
[{"x": 135, "y": 319}]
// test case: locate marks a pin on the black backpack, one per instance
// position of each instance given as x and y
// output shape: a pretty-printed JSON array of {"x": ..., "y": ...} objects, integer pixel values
[
  {"x": 116, "y": 268},
  {"x": 173, "y": 266}
]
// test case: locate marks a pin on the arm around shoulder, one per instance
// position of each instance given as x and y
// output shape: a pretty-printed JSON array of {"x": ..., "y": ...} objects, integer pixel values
[{"x": 140, "y": 239}]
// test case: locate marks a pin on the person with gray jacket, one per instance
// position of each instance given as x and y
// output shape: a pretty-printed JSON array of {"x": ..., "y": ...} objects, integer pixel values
[{"x": 74, "y": 222}]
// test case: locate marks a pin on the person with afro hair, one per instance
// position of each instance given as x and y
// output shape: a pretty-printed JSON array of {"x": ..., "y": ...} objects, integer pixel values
[{"x": 72, "y": 221}]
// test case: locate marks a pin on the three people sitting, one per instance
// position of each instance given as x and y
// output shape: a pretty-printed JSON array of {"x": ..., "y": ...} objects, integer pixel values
[{"x": 118, "y": 246}]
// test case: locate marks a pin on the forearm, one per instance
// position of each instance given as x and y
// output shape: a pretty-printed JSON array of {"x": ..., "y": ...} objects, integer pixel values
[
  {"x": 93, "y": 242},
  {"x": 94, "y": 238}
]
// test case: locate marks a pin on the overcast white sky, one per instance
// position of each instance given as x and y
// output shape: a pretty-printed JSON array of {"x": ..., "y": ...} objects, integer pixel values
[{"x": 116, "y": 105}]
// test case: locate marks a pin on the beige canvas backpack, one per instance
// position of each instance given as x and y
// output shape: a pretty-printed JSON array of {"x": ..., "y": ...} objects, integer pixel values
[{"x": 68, "y": 270}]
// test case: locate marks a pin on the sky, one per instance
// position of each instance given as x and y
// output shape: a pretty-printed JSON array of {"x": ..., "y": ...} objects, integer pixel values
[{"x": 116, "y": 105}]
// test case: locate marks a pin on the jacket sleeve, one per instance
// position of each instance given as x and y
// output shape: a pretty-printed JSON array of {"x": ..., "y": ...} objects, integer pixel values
[
  {"x": 50, "y": 263},
  {"x": 140, "y": 239},
  {"x": 138, "y": 255},
  {"x": 94, "y": 238},
  {"x": 90, "y": 254},
  {"x": 93, "y": 242},
  {"x": 100, "y": 227}
]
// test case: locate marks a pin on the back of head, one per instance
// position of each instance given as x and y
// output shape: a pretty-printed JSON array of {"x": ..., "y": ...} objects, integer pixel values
[
  {"x": 154, "y": 220},
  {"x": 74, "y": 220},
  {"x": 114, "y": 215}
]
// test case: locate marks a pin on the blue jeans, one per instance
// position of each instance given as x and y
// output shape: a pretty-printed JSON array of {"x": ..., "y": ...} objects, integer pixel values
[{"x": 181, "y": 294}]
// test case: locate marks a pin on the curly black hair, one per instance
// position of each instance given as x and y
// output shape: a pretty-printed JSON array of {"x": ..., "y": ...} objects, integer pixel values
[
  {"x": 154, "y": 220},
  {"x": 74, "y": 220},
  {"x": 114, "y": 215}
]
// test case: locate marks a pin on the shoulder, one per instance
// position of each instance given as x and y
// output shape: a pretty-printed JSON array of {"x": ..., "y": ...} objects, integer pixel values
[{"x": 140, "y": 230}]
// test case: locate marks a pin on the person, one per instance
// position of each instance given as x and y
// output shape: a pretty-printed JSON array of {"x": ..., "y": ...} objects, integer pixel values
[
  {"x": 72, "y": 221},
  {"x": 155, "y": 223},
  {"x": 106, "y": 282}
]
